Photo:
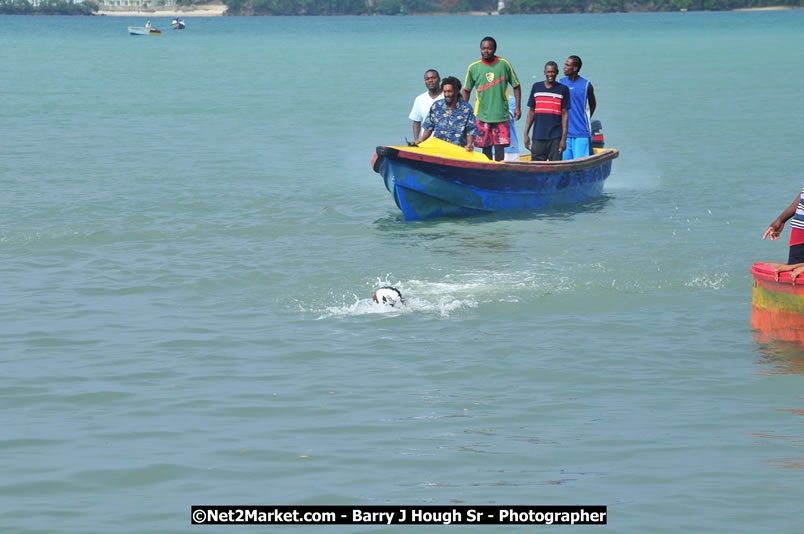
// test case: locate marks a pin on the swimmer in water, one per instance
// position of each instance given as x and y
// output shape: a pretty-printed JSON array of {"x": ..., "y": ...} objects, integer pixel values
[{"x": 388, "y": 295}]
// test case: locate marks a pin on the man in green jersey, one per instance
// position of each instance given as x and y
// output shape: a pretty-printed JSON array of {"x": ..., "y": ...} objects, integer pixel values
[{"x": 492, "y": 75}]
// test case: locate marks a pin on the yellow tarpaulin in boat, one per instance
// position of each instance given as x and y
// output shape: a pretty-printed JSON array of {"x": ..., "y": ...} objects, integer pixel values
[{"x": 436, "y": 147}]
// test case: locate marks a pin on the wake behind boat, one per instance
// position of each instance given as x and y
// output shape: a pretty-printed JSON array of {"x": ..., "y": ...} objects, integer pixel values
[{"x": 437, "y": 179}]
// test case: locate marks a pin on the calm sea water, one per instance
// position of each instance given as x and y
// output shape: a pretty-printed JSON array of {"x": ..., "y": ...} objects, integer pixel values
[{"x": 190, "y": 233}]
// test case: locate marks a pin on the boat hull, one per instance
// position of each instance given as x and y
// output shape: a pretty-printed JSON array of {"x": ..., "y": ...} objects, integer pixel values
[
  {"x": 426, "y": 186},
  {"x": 141, "y": 30},
  {"x": 777, "y": 306}
]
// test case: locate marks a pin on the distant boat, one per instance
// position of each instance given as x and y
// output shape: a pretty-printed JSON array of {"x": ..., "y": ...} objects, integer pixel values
[
  {"x": 178, "y": 24},
  {"x": 143, "y": 30}
]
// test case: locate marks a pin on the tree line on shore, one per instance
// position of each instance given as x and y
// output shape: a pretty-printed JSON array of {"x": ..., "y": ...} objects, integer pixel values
[
  {"x": 401, "y": 7},
  {"x": 607, "y": 6},
  {"x": 47, "y": 7}
]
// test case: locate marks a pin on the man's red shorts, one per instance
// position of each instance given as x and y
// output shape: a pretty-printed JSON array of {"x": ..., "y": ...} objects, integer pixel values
[{"x": 493, "y": 133}]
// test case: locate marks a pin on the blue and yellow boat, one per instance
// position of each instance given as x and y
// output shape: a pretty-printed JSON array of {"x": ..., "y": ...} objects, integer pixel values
[{"x": 439, "y": 179}]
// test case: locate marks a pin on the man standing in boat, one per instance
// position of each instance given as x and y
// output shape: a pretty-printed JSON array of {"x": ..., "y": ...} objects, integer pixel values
[
  {"x": 583, "y": 104},
  {"x": 451, "y": 118},
  {"x": 795, "y": 257},
  {"x": 548, "y": 104},
  {"x": 423, "y": 102},
  {"x": 492, "y": 75}
]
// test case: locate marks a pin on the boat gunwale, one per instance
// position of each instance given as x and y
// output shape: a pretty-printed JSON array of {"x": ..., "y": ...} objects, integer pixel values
[
  {"x": 588, "y": 162},
  {"x": 762, "y": 271}
]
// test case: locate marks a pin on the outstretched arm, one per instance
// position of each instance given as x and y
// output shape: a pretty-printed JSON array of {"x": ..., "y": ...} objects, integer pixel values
[{"x": 776, "y": 226}]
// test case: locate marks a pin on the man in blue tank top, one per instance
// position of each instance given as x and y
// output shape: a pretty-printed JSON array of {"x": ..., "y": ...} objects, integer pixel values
[{"x": 583, "y": 104}]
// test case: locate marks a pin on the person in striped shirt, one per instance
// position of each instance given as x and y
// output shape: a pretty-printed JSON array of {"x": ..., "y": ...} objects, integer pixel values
[
  {"x": 549, "y": 104},
  {"x": 794, "y": 213}
]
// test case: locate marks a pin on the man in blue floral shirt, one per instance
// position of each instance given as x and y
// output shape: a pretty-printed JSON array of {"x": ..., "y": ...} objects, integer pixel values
[{"x": 452, "y": 118}]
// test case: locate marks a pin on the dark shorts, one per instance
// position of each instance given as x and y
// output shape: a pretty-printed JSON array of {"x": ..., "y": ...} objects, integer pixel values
[
  {"x": 796, "y": 254},
  {"x": 545, "y": 149},
  {"x": 493, "y": 133}
]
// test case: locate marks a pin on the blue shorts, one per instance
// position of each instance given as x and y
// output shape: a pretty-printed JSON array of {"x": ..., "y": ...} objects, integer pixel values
[{"x": 577, "y": 147}]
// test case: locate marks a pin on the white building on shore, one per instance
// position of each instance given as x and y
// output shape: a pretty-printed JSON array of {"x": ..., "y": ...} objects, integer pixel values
[{"x": 120, "y": 3}]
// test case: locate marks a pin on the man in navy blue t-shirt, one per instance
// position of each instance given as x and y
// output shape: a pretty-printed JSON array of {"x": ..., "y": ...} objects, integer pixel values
[{"x": 549, "y": 103}]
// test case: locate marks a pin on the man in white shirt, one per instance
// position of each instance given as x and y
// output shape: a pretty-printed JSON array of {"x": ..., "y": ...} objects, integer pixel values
[{"x": 423, "y": 102}]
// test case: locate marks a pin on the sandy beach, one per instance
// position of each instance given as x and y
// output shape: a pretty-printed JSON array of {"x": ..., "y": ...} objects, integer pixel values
[
  {"x": 767, "y": 8},
  {"x": 212, "y": 10}
]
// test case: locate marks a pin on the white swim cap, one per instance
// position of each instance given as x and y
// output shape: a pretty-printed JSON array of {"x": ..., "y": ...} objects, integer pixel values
[{"x": 388, "y": 295}]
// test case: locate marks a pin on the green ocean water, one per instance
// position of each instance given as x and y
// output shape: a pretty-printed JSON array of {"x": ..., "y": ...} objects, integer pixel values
[{"x": 190, "y": 234}]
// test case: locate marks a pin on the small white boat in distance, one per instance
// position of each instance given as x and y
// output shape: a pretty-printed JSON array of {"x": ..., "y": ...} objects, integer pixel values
[{"x": 144, "y": 30}]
